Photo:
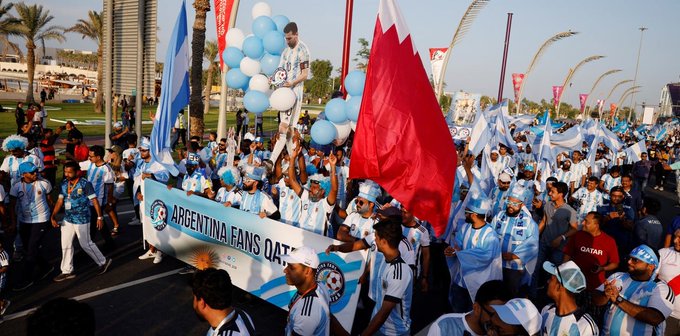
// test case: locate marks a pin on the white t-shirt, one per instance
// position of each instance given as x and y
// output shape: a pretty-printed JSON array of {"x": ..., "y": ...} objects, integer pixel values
[
  {"x": 669, "y": 271},
  {"x": 32, "y": 206}
]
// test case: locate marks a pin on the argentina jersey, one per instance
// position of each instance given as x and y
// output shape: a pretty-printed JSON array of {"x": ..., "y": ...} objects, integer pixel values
[
  {"x": 233, "y": 196},
  {"x": 578, "y": 323},
  {"x": 11, "y": 164},
  {"x": 609, "y": 182},
  {"x": 237, "y": 323},
  {"x": 450, "y": 324},
  {"x": 468, "y": 238},
  {"x": 588, "y": 201},
  {"x": 290, "y": 205},
  {"x": 196, "y": 182},
  {"x": 314, "y": 217},
  {"x": 359, "y": 227},
  {"x": 378, "y": 265},
  {"x": 309, "y": 314},
  {"x": 396, "y": 285},
  {"x": 99, "y": 176},
  {"x": 4, "y": 262},
  {"x": 418, "y": 237},
  {"x": 515, "y": 233},
  {"x": 32, "y": 206},
  {"x": 257, "y": 202},
  {"x": 649, "y": 294}
]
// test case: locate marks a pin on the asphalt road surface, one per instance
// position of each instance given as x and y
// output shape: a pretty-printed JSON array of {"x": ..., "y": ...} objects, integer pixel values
[{"x": 137, "y": 297}]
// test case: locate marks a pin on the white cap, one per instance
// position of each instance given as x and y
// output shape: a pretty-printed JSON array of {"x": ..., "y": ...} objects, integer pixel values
[
  {"x": 302, "y": 255},
  {"x": 505, "y": 177},
  {"x": 520, "y": 312}
]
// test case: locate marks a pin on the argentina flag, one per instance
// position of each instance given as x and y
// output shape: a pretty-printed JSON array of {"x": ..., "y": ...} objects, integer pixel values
[{"x": 174, "y": 92}]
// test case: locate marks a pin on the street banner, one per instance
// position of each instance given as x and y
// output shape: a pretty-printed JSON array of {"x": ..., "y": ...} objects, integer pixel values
[
  {"x": 223, "y": 13},
  {"x": 204, "y": 233},
  {"x": 600, "y": 106},
  {"x": 517, "y": 79},
  {"x": 557, "y": 94},
  {"x": 437, "y": 61},
  {"x": 612, "y": 110},
  {"x": 460, "y": 132},
  {"x": 582, "y": 99},
  {"x": 648, "y": 116}
]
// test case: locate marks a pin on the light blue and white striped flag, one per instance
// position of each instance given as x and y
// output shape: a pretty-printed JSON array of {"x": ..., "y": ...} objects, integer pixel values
[
  {"x": 174, "y": 92},
  {"x": 633, "y": 153},
  {"x": 481, "y": 134}
]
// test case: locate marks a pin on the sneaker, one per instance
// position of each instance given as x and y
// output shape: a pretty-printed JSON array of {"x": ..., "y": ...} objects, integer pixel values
[
  {"x": 64, "y": 276},
  {"x": 115, "y": 232},
  {"x": 147, "y": 255},
  {"x": 135, "y": 221},
  {"x": 3, "y": 306},
  {"x": 105, "y": 267},
  {"x": 158, "y": 257},
  {"x": 47, "y": 272},
  {"x": 660, "y": 188},
  {"x": 187, "y": 270},
  {"x": 22, "y": 286},
  {"x": 656, "y": 187}
]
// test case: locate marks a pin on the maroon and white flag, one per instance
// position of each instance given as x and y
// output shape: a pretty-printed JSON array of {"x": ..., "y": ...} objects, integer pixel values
[
  {"x": 582, "y": 99},
  {"x": 437, "y": 62},
  {"x": 517, "y": 79},
  {"x": 223, "y": 14},
  {"x": 557, "y": 94}
]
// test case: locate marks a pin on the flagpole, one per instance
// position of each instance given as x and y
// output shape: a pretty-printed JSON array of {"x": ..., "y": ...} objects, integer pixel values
[
  {"x": 346, "y": 42},
  {"x": 570, "y": 75},
  {"x": 505, "y": 58},
  {"x": 587, "y": 109},
  {"x": 222, "y": 114},
  {"x": 107, "y": 90}
]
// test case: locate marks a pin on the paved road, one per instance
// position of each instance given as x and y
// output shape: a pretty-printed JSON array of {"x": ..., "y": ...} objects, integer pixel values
[{"x": 139, "y": 298}]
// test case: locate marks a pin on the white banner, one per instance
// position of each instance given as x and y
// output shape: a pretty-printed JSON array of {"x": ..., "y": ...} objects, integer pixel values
[
  {"x": 206, "y": 234},
  {"x": 648, "y": 116},
  {"x": 437, "y": 61}
]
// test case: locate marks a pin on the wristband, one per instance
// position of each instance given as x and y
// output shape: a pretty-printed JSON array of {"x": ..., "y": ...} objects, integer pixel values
[
  {"x": 99, "y": 218},
  {"x": 564, "y": 238}
]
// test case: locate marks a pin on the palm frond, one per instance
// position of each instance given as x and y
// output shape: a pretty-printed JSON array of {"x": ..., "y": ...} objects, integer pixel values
[
  {"x": 467, "y": 20},
  {"x": 546, "y": 45},
  {"x": 210, "y": 51}
]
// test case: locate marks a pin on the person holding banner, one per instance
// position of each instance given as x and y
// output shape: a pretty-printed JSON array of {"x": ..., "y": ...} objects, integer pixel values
[
  {"x": 295, "y": 63},
  {"x": 253, "y": 199},
  {"x": 229, "y": 194},
  {"x": 212, "y": 291},
  {"x": 290, "y": 197},
  {"x": 309, "y": 309},
  {"x": 194, "y": 182}
]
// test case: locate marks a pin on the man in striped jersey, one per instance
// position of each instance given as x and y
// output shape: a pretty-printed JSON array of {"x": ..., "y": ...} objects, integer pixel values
[
  {"x": 475, "y": 256},
  {"x": 229, "y": 194},
  {"x": 587, "y": 199},
  {"x": 392, "y": 312},
  {"x": 4, "y": 267},
  {"x": 100, "y": 174},
  {"x": 669, "y": 271},
  {"x": 472, "y": 322},
  {"x": 309, "y": 309},
  {"x": 518, "y": 234},
  {"x": 212, "y": 303},
  {"x": 565, "y": 317},
  {"x": 610, "y": 180},
  {"x": 418, "y": 236},
  {"x": 639, "y": 303},
  {"x": 16, "y": 145},
  {"x": 359, "y": 224},
  {"x": 289, "y": 190},
  {"x": 253, "y": 199},
  {"x": 194, "y": 182}
]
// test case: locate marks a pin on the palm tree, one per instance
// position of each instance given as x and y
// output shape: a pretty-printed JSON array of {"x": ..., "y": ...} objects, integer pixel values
[
  {"x": 93, "y": 29},
  {"x": 202, "y": 7},
  {"x": 33, "y": 28},
  {"x": 210, "y": 53},
  {"x": 8, "y": 25}
]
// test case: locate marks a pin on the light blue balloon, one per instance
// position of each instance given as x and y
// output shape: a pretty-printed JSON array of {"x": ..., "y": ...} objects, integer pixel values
[
  {"x": 269, "y": 63},
  {"x": 274, "y": 42},
  {"x": 335, "y": 110},
  {"x": 352, "y": 108},
  {"x": 281, "y": 21},
  {"x": 252, "y": 47},
  {"x": 354, "y": 82},
  {"x": 232, "y": 56},
  {"x": 263, "y": 25},
  {"x": 236, "y": 79},
  {"x": 323, "y": 132},
  {"x": 255, "y": 101}
]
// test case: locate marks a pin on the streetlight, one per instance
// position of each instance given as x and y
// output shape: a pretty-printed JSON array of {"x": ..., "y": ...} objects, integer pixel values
[{"x": 637, "y": 64}]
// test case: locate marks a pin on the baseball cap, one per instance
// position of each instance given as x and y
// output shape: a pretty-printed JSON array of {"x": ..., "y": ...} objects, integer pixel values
[
  {"x": 302, "y": 255},
  {"x": 390, "y": 212},
  {"x": 118, "y": 124},
  {"x": 116, "y": 148},
  {"x": 27, "y": 167},
  {"x": 258, "y": 139},
  {"x": 193, "y": 159},
  {"x": 505, "y": 177},
  {"x": 569, "y": 275},
  {"x": 520, "y": 312},
  {"x": 145, "y": 143}
]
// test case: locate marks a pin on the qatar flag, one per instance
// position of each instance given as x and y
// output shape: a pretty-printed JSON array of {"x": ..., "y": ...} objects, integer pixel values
[{"x": 402, "y": 141}]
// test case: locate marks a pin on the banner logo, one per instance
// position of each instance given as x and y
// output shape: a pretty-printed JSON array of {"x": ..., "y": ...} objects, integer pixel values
[
  {"x": 330, "y": 274},
  {"x": 159, "y": 215}
]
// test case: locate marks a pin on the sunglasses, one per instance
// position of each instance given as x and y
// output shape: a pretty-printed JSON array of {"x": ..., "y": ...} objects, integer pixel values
[
  {"x": 514, "y": 204},
  {"x": 360, "y": 202},
  {"x": 143, "y": 150}
]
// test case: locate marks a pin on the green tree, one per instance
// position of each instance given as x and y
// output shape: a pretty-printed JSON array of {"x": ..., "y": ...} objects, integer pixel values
[
  {"x": 33, "y": 29},
  {"x": 92, "y": 28},
  {"x": 8, "y": 27},
  {"x": 210, "y": 54},
  {"x": 202, "y": 8},
  {"x": 363, "y": 54},
  {"x": 320, "y": 83}
]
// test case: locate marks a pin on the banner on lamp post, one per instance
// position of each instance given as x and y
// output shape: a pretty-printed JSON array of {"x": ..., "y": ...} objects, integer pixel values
[
  {"x": 223, "y": 13},
  {"x": 612, "y": 109},
  {"x": 437, "y": 61},
  {"x": 599, "y": 106},
  {"x": 557, "y": 94},
  {"x": 517, "y": 79},
  {"x": 582, "y": 99}
]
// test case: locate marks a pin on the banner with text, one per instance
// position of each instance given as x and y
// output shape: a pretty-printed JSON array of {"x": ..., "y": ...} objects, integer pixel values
[
  {"x": 517, "y": 79},
  {"x": 205, "y": 234},
  {"x": 224, "y": 10},
  {"x": 437, "y": 62}
]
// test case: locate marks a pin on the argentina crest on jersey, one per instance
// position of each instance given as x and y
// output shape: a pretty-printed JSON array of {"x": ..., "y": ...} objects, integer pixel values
[{"x": 159, "y": 215}]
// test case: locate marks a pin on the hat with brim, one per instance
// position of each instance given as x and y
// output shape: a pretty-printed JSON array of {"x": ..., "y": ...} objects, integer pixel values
[
  {"x": 117, "y": 149},
  {"x": 520, "y": 312},
  {"x": 27, "y": 167},
  {"x": 569, "y": 275},
  {"x": 302, "y": 255}
]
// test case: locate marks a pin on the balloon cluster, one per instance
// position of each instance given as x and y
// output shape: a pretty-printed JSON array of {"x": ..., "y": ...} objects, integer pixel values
[
  {"x": 253, "y": 58},
  {"x": 341, "y": 114}
]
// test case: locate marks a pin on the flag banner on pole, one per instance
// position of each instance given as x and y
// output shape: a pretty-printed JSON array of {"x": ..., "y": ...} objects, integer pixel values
[
  {"x": 204, "y": 233},
  {"x": 517, "y": 79},
  {"x": 223, "y": 12},
  {"x": 634, "y": 152},
  {"x": 600, "y": 105},
  {"x": 437, "y": 62},
  {"x": 612, "y": 109},
  {"x": 481, "y": 134},
  {"x": 174, "y": 92},
  {"x": 582, "y": 99},
  {"x": 399, "y": 122},
  {"x": 557, "y": 94}
]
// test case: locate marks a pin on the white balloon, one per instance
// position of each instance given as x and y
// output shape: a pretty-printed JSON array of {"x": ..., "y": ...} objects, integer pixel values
[
  {"x": 250, "y": 67},
  {"x": 343, "y": 130},
  {"x": 235, "y": 38},
  {"x": 260, "y": 9},
  {"x": 260, "y": 83},
  {"x": 282, "y": 99}
]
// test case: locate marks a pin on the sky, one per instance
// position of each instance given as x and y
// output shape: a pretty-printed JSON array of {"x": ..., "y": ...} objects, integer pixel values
[{"x": 606, "y": 27}]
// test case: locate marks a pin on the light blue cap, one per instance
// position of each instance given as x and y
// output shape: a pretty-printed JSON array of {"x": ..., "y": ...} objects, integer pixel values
[
  {"x": 27, "y": 167},
  {"x": 369, "y": 190}
]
